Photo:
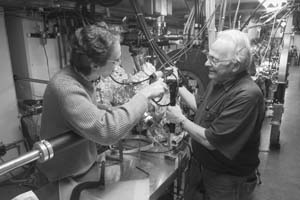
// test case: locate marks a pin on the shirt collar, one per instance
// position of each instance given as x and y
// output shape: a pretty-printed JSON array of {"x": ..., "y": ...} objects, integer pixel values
[{"x": 228, "y": 84}]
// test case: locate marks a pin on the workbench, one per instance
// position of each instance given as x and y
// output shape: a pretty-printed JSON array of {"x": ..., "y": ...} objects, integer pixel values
[{"x": 162, "y": 172}]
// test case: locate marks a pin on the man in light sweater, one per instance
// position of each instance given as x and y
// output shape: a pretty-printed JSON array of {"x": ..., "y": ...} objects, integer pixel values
[{"x": 70, "y": 103}]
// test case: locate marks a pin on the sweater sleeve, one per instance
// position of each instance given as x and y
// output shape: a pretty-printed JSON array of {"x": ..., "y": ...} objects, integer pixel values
[{"x": 101, "y": 126}]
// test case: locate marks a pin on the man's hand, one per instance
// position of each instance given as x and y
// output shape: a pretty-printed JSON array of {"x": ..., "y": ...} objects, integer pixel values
[{"x": 174, "y": 114}]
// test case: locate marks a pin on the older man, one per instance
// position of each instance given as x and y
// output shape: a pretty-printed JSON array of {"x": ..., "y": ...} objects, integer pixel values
[{"x": 226, "y": 130}]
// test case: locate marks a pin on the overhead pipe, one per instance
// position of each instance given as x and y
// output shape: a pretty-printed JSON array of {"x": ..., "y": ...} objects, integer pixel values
[
  {"x": 252, "y": 15},
  {"x": 229, "y": 13},
  {"x": 221, "y": 12},
  {"x": 222, "y": 15},
  {"x": 236, "y": 13},
  {"x": 210, "y": 9}
]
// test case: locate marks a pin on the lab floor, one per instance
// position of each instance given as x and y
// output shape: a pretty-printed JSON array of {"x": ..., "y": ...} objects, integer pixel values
[{"x": 280, "y": 170}]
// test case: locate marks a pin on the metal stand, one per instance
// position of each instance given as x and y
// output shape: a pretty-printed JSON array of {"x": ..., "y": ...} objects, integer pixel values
[{"x": 275, "y": 126}]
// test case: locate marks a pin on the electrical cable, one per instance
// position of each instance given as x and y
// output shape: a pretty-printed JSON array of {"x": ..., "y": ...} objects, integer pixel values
[
  {"x": 164, "y": 105},
  {"x": 252, "y": 14},
  {"x": 160, "y": 105},
  {"x": 156, "y": 102},
  {"x": 188, "y": 45},
  {"x": 201, "y": 31},
  {"x": 131, "y": 83},
  {"x": 141, "y": 20}
]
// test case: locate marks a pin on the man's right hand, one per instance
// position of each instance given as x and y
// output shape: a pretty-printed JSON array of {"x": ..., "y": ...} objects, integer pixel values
[
  {"x": 155, "y": 89},
  {"x": 188, "y": 98}
]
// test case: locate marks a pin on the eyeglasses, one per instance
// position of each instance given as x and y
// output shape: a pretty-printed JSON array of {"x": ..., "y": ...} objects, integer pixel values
[{"x": 214, "y": 60}]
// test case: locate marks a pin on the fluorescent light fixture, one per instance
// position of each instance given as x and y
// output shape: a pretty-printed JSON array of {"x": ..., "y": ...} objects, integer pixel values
[{"x": 272, "y": 5}]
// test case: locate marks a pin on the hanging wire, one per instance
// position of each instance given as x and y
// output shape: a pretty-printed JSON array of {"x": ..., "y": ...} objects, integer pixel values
[
  {"x": 162, "y": 57},
  {"x": 131, "y": 83},
  {"x": 188, "y": 45}
]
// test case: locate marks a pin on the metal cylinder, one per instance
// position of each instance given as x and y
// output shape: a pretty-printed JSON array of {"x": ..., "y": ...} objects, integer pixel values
[
  {"x": 20, "y": 161},
  {"x": 43, "y": 151},
  {"x": 65, "y": 141}
]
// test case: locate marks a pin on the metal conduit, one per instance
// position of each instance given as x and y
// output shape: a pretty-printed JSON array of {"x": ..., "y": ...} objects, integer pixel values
[{"x": 42, "y": 151}]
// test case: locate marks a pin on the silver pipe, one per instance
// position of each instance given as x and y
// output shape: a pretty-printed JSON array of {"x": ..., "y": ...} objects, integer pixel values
[
  {"x": 42, "y": 151},
  {"x": 20, "y": 161}
]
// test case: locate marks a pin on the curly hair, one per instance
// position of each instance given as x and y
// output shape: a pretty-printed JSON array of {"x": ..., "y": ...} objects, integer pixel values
[
  {"x": 92, "y": 43},
  {"x": 242, "y": 46}
]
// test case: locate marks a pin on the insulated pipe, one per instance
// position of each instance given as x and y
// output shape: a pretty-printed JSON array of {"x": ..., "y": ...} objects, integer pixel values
[
  {"x": 252, "y": 15},
  {"x": 223, "y": 15},
  {"x": 236, "y": 13},
  {"x": 210, "y": 9},
  {"x": 42, "y": 151},
  {"x": 20, "y": 161}
]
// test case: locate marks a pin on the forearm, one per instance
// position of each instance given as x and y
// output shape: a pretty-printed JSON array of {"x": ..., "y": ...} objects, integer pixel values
[
  {"x": 119, "y": 122},
  {"x": 188, "y": 98},
  {"x": 107, "y": 127},
  {"x": 196, "y": 132}
]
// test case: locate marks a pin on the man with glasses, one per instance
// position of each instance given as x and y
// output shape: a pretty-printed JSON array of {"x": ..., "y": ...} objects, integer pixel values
[
  {"x": 70, "y": 103},
  {"x": 226, "y": 129}
]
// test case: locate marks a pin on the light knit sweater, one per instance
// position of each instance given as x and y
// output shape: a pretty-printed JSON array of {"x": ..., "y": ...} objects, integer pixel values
[{"x": 70, "y": 104}]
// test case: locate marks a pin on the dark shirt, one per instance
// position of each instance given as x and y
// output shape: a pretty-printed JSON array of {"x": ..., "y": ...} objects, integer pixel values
[{"x": 232, "y": 114}]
